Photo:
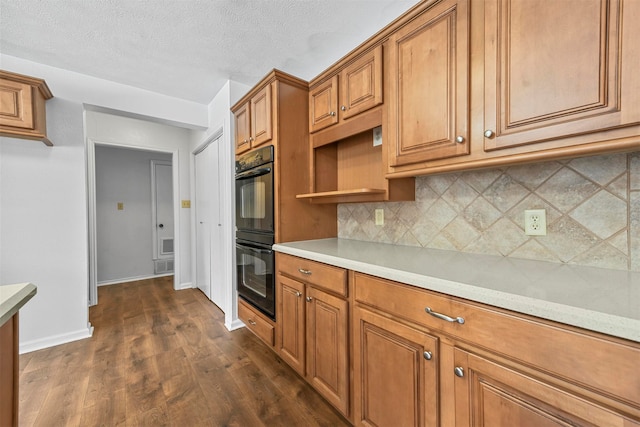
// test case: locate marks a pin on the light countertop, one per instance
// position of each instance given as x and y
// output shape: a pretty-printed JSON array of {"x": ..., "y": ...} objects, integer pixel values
[
  {"x": 13, "y": 297},
  {"x": 597, "y": 299}
]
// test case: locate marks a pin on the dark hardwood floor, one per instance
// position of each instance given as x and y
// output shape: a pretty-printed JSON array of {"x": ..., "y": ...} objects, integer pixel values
[{"x": 160, "y": 357}]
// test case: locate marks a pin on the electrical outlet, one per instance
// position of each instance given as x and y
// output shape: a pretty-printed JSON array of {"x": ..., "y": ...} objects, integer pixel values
[
  {"x": 379, "y": 216},
  {"x": 535, "y": 222}
]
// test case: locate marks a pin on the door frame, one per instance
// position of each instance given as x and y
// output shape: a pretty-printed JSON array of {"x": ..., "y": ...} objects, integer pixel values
[
  {"x": 154, "y": 212},
  {"x": 91, "y": 211}
]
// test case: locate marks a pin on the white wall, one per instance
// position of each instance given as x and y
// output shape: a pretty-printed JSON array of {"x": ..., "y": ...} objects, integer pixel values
[
  {"x": 220, "y": 118},
  {"x": 124, "y": 237},
  {"x": 44, "y": 227},
  {"x": 43, "y": 198}
]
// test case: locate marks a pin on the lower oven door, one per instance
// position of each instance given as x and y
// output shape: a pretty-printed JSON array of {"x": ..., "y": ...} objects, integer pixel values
[{"x": 256, "y": 279}]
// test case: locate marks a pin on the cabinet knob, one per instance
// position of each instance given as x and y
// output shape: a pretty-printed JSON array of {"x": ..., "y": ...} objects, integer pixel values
[
  {"x": 309, "y": 299},
  {"x": 488, "y": 133},
  {"x": 333, "y": 113},
  {"x": 251, "y": 139},
  {"x": 244, "y": 141},
  {"x": 458, "y": 371},
  {"x": 343, "y": 108},
  {"x": 427, "y": 355},
  {"x": 298, "y": 294},
  {"x": 459, "y": 139}
]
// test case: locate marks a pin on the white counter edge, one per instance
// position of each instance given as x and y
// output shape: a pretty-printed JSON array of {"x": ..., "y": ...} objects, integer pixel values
[{"x": 13, "y": 298}]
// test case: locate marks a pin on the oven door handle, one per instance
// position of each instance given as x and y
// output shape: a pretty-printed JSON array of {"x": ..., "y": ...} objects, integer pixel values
[
  {"x": 252, "y": 248},
  {"x": 253, "y": 173}
]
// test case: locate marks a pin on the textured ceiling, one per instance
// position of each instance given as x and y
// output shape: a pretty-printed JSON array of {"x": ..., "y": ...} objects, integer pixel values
[{"x": 190, "y": 48}]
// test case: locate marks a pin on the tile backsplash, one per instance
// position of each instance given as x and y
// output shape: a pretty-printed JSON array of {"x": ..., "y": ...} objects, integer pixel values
[{"x": 592, "y": 206}]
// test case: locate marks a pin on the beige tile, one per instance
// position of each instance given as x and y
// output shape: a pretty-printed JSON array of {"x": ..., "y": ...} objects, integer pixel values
[
  {"x": 441, "y": 183},
  {"x": 603, "y": 214},
  {"x": 634, "y": 242},
  {"x": 619, "y": 186},
  {"x": 621, "y": 242},
  {"x": 532, "y": 201},
  {"x": 460, "y": 233},
  {"x": 460, "y": 195},
  {"x": 505, "y": 236},
  {"x": 424, "y": 193},
  {"x": 566, "y": 189},
  {"x": 439, "y": 214},
  {"x": 481, "y": 214},
  {"x": 408, "y": 214},
  {"x": 534, "y": 250},
  {"x": 601, "y": 169},
  {"x": 634, "y": 171},
  {"x": 441, "y": 242},
  {"x": 481, "y": 180},
  {"x": 531, "y": 176},
  {"x": 505, "y": 193},
  {"x": 603, "y": 256},
  {"x": 482, "y": 245},
  {"x": 408, "y": 239},
  {"x": 567, "y": 239}
]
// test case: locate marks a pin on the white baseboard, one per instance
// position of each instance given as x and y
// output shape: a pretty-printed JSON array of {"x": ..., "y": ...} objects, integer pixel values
[
  {"x": 235, "y": 324},
  {"x": 132, "y": 279},
  {"x": 187, "y": 285},
  {"x": 39, "y": 344}
]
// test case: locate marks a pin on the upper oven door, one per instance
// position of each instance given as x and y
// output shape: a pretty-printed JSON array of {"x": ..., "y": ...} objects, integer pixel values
[{"x": 254, "y": 199}]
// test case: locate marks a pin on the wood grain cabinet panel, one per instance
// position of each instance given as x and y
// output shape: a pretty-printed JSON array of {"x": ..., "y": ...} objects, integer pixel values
[
  {"x": 555, "y": 71},
  {"x": 361, "y": 84},
  {"x": 314, "y": 333},
  {"x": 242, "y": 129},
  {"x": 22, "y": 107},
  {"x": 323, "y": 105},
  {"x": 258, "y": 323},
  {"x": 488, "y": 393},
  {"x": 428, "y": 86},
  {"x": 253, "y": 124},
  {"x": 395, "y": 373}
]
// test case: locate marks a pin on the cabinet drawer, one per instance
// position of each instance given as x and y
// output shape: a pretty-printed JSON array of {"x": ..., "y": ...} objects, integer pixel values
[
  {"x": 333, "y": 279},
  {"x": 571, "y": 353},
  {"x": 256, "y": 322}
]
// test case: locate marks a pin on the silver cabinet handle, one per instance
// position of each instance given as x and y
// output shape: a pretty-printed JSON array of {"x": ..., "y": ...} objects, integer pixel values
[
  {"x": 252, "y": 322},
  {"x": 245, "y": 141},
  {"x": 303, "y": 271},
  {"x": 333, "y": 113},
  {"x": 488, "y": 133},
  {"x": 458, "y": 371},
  {"x": 298, "y": 294},
  {"x": 459, "y": 139},
  {"x": 427, "y": 355},
  {"x": 309, "y": 299},
  {"x": 444, "y": 316},
  {"x": 343, "y": 108}
]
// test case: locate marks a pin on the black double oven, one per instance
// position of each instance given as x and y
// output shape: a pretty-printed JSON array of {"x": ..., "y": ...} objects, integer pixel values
[{"x": 255, "y": 230}]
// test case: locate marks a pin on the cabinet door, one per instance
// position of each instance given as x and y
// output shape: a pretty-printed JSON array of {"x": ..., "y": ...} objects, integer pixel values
[
  {"x": 261, "y": 126},
  {"x": 241, "y": 122},
  {"x": 323, "y": 105},
  {"x": 361, "y": 84},
  {"x": 428, "y": 88},
  {"x": 327, "y": 347},
  {"x": 555, "y": 69},
  {"x": 395, "y": 373},
  {"x": 16, "y": 105},
  {"x": 291, "y": 321},
  {"x": 491, "y": 394}
]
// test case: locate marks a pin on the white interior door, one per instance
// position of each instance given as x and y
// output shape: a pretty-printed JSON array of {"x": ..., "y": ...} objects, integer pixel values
[
  {"x": 203, "y": 201},
  {"x": 162, "y": 209},
  {"x": 217, "y": 245}
]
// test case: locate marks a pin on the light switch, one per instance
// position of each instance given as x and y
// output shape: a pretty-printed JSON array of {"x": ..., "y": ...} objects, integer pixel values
[
  {"x": 120, "y": 206},
  {"x": 186, "y": 204}
]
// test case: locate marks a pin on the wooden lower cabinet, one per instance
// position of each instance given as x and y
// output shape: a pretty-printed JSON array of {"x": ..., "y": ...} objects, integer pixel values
[
  {"x": 9, "y": 365},
  {"x": 395, "y": 373},
  {"x": 488, "y": 393},
  {"x": 313, "y": 337},
  {"x": 256, "y": 322}
]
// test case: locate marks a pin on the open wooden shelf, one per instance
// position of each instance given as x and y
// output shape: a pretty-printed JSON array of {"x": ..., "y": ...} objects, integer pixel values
[{"x": 343, "y": 196}]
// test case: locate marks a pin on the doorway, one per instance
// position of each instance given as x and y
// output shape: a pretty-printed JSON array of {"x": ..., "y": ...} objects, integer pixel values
[{"x": 162, "y": 216}]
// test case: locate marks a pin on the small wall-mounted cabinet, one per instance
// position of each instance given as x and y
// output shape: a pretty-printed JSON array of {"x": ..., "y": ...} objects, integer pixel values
[
  {"x": 22, "y": 107},
  {"x": 253, "y": 124}
]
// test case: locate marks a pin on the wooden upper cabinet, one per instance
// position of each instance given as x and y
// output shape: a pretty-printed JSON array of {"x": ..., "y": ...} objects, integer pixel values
[
  {"x": 355, "y": 88},
  {"x": 557, "y": 69},
  {"x": 242, "y": 130},
  {"x": 361, "y": 84},
  {"x": 22, "y": 107},
  {"x": 261, "y": 124},
  {"x": 323, "y": 105},
  {"x": 428, "y": 86},
  {"x": 253, "y": 123}
]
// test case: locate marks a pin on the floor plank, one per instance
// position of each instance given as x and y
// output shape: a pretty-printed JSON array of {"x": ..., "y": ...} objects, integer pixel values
[{"x": 163, "y": 357}]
